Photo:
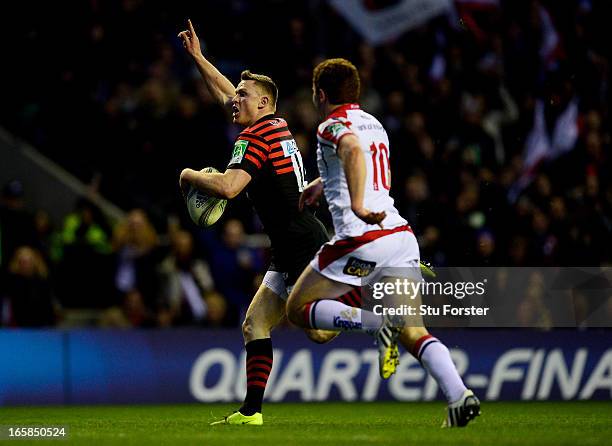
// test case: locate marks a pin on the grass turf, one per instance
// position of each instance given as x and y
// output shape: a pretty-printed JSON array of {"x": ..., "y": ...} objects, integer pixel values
[{"x": 518, "y": 423}]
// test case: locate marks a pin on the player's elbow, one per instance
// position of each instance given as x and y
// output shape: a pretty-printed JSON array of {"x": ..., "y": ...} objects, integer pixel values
[
  {"x": 227, "y": 193},
  {"x": 232, "y": 183},
  {"x": 184, "y": 175},
  {"x": 356, "y": 207},
  {"x": 231, "y": 194},
  {"x": 229, "y": 190},
  {"x": 184, "y": 178}
]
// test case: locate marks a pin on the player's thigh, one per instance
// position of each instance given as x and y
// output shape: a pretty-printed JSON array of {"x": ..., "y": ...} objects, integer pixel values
[
  {"x": 311, "y": 286},
  {"x": 275, "y": 282},
  {"x": 265, "y": 311}
]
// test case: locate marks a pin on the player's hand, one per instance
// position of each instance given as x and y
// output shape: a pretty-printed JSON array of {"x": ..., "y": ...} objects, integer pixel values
[
  {"x": 190, "y": 40},
  {"x": 311, "y": 194},
  {"x": 370, "y": 217}
]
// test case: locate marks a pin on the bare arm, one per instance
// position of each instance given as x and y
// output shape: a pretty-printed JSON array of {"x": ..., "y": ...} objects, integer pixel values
[
  {"x": 218, "y": 85},
  {"x": 312, "y": 193},
  {"x": 222, "y": 185},
  {"x": 353, "y": 162}
]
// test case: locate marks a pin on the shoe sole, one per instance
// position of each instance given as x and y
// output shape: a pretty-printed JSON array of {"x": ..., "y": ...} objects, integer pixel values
[{"x": 471, "y": 412}]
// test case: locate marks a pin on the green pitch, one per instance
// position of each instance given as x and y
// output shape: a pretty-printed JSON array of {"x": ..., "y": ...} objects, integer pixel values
[{"x": 320, "y": 424}]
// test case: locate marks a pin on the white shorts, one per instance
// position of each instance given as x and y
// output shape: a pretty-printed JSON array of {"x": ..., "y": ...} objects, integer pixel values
[
  {"x": 275, "y": 282},
  {"x": 361, "y": 260}
]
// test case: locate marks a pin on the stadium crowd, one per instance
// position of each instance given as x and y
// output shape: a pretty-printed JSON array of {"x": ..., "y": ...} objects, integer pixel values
[{"x": 498, "y": 118}]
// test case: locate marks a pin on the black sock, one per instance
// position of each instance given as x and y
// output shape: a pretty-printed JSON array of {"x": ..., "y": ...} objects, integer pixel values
[{"x": 258, "y": 367}]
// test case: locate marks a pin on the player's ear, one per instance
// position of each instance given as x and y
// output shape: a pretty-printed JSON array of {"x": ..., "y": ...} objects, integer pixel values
[
  {"x": 322, "y": 96},
  {"x": 264, "y": 101}
]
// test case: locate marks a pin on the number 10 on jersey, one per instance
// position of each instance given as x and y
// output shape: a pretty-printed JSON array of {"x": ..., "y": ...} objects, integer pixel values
[{"x": 380, "y": 161}]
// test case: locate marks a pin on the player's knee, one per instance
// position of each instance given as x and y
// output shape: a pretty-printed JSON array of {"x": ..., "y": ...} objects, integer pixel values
[
  {"x": 247, "y": 329},
  {"x": 251, "y": 329},
  {"x": 255, "y": 328}
]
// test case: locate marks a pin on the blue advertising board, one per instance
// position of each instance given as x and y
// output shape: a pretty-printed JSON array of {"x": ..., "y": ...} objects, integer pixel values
[{"x": 115, "y": 367}]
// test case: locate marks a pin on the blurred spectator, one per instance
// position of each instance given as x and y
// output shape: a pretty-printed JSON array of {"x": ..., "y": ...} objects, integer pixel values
[
  {"x": 85, "y": 227},
  {"x": 26, "y": 297},
  {"x": 486, "y": 253},
  {"x": 135, "y": 244},
  {"x": 83, "y": 254},
  {"x": 16, "y": 223},
  {"x": 47, "y": 241},
  {"x": 531, "y": 311},
  {"x": 217, "y": 311},
  {"x": 186, "y": 282},
  {"x": 233, "y": 266}
]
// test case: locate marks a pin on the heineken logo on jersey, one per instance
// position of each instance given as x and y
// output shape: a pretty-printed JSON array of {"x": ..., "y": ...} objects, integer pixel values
[
  {"x": 358, "y": 267},
  {"x": 335, "y": 129},
  {"x": 240, "y": 147},
  {"x": 289, "y": 147}
]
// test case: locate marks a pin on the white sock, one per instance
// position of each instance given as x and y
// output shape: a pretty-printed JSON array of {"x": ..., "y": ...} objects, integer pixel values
[
  {"x": 327, "y": 314},
  {"x": 436, "y": 359}
]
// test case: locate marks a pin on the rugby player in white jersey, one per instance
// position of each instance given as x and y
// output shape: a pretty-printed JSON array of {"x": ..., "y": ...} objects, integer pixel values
[{"x": 370, "y": 235}]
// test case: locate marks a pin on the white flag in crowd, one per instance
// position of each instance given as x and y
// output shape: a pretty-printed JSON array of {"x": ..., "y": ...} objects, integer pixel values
[
  {"x": 551, "y": 46},
  {"x": 380, "y": 24},
  {"x": 540, "y": 146}
]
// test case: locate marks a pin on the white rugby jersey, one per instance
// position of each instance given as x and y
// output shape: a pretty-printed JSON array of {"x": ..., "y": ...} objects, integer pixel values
[{"x": 350, "y": 119}]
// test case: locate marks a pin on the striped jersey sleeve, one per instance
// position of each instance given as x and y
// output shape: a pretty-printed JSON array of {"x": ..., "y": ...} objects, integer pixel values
[
  {"x": 333, "y": 130},
  {"x": 250, "y": 153},
  {"x": 267, "y": 142}
]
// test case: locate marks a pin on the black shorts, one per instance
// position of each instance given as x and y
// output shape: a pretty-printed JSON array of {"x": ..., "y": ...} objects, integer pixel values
[{"x": 291, "y": 255}]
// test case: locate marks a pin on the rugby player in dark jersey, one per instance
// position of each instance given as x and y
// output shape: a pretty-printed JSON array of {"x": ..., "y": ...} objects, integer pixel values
[{"x": 267, "y": 162}]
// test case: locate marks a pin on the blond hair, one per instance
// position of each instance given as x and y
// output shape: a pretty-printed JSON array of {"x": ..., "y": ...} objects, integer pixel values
[
  {"x": 265, "y": 82},
  {"x": 38, "y": 263},
  {"x": 135, "y": 230}
]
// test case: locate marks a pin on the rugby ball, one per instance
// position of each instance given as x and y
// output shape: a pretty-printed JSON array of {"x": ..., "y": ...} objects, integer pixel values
[{"x": 203, "y": 209}]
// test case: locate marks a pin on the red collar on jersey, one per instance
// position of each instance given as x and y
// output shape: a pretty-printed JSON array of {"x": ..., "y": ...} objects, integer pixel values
[
  {"x": 262, "y": 119},
  {"x": 340, "y": 112}
]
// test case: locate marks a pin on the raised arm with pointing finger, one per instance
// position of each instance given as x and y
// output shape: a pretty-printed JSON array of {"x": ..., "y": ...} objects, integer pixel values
[
  {"x": 218, "y": 85},
  {"x": 265, "y": 159}
]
